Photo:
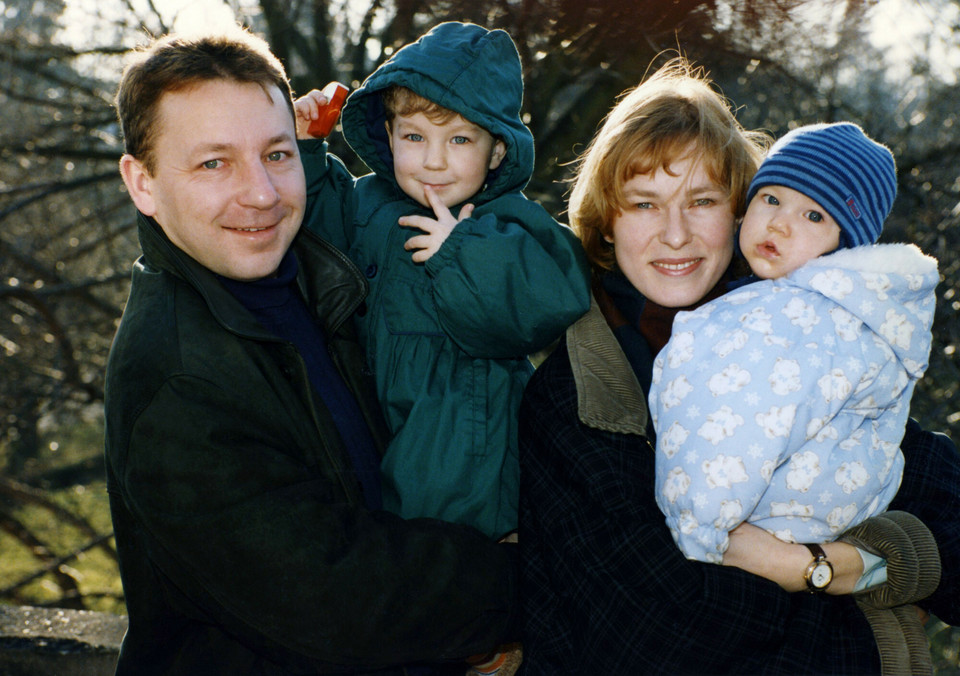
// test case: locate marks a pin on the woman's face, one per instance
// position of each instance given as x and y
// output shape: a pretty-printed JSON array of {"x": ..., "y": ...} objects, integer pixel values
[{"x": 674, "y": 239}]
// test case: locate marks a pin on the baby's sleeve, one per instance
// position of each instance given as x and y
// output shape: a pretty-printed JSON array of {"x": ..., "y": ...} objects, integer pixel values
[{"x": 724, "y": 401}]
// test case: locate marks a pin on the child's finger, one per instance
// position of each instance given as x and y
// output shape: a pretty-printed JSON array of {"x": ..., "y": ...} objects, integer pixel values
[
  {"x": 418, "y": 222},
  {"x": 419, "y": 245},
  {"x": 421, "y": 256},
  {"x": 433, "y": 199},
  {"x": 466, "y": 211}
]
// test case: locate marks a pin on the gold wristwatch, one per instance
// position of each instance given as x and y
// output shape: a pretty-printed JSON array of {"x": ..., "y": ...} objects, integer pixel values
[{"x": 819, "y": 573}]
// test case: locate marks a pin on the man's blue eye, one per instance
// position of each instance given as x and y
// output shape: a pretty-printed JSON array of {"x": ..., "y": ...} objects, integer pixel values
[{"x": 211, "y": 164}]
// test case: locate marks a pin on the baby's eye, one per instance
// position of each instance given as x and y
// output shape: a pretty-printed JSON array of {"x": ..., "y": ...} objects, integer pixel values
[
  {"x": 815, "y": 216},
  {"x": 460, "y": 140},
  {"x": 212, "y": 164},
  {"x": 770, "y": 199}
]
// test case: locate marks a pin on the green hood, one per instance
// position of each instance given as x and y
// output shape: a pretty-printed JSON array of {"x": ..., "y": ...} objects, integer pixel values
[{"x": 465, "y": 68}]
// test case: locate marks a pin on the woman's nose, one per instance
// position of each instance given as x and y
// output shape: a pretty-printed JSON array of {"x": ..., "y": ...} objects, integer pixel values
[{"x": 676, "y": 230}]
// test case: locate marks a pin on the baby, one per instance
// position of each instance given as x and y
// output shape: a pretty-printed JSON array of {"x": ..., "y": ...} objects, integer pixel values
[{"x": 783, "y": 403}]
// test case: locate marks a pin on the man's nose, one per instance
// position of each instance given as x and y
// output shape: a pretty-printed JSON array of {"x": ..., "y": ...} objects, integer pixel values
[{"x": 257, "y": 188}]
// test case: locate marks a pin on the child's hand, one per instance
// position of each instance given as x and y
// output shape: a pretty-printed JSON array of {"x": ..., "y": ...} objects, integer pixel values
[
  {"x": 437, "y": 230},
  {"x": 307, "y": 108}
]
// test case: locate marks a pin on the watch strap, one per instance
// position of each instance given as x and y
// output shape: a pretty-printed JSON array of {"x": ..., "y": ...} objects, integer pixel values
[{"x": 817, "y": 551}]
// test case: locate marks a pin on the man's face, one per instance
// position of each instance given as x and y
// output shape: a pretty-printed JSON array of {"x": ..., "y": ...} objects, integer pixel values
[{"x": 228, "y": 186}]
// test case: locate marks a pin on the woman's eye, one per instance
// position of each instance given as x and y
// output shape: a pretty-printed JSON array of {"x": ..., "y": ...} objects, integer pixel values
[
  {"x": 703, "y": 202},
  {"x": 644, "y": 205}
]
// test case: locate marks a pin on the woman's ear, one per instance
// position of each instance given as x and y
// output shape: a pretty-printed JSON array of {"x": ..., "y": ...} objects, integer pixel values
[{"x": 139, "y": 184}]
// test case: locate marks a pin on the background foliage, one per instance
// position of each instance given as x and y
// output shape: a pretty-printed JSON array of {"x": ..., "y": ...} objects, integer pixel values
[{"x": 67, "y": 236}]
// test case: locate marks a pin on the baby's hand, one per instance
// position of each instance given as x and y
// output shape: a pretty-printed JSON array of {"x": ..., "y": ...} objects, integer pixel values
[
  {"x": 437, "y": 230},
  {"x": 307, "y": 108}
]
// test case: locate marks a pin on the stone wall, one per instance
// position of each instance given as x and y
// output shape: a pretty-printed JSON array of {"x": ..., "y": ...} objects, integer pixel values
[{"x": 55, "y": 641}]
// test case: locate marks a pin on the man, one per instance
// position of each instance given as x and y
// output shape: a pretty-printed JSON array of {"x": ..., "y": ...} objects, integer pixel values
[{"x": 242, "y": 440}]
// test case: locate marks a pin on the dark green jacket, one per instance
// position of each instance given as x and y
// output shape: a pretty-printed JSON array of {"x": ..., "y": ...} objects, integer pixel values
[
  {"x": 244, "y": 548},
  {"x": 448, "y": 340}
]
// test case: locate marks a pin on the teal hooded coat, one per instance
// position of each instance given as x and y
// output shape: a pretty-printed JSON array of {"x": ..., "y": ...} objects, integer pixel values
[{"x": 448, "y": 340}]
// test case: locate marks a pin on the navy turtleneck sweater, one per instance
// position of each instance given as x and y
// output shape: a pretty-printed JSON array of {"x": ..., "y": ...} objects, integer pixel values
[{"x": 277, "y": 304}]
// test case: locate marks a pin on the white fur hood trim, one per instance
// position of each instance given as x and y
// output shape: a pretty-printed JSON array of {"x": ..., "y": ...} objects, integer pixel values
[{"x": 900, "y": 259}]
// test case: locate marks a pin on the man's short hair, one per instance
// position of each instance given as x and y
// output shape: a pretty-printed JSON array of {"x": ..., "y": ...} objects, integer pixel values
[
  {"x": 651, "y": 126},
  {"x": 173, "y": 63}
]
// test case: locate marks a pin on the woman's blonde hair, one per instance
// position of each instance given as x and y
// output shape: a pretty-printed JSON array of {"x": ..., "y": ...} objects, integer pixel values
[{"x": 651, "y": 126}]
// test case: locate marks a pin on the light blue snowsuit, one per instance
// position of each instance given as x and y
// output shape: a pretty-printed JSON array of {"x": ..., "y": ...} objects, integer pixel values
[{"x": 783, "y": 403}]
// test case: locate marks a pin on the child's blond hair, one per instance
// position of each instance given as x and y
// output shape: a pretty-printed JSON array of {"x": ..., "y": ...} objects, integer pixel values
[{"x": 401, "y": 101}]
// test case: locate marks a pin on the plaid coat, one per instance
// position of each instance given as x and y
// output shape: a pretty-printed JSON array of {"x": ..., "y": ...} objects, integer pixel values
[{"x": 606, "y": 591}]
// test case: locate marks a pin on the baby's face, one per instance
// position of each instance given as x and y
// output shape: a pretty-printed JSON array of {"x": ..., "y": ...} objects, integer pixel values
[
  {"x": 783, "y": 229},
  {"x": 453, "y": 157}
]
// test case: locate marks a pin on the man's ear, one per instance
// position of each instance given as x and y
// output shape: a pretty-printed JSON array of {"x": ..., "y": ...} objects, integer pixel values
[
  {"x": 497, "y": 154},
  {"x": 139, "y": 184}
]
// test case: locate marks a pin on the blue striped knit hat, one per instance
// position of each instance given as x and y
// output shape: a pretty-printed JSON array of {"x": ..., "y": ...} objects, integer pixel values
[{"x": 851, "y": 176}]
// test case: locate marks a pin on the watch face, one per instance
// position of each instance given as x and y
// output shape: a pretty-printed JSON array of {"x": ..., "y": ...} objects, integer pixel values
[{"x": 821, "y": 575}]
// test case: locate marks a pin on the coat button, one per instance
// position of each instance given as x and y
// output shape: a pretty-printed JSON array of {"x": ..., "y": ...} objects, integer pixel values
[{"x": 371, "y": 271}]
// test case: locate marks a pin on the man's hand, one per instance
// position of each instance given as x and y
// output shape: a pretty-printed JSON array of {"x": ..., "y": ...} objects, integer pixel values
[{"x": 437, "y": 230}]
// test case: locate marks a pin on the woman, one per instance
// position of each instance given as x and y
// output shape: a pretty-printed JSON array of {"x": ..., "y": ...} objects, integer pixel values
[{"x": 606, "y": 591}]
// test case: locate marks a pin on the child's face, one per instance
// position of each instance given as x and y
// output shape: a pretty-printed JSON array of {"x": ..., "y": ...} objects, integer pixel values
[
  {"x": 783, "y": 229},
  {"x": 453, "y": 158}
]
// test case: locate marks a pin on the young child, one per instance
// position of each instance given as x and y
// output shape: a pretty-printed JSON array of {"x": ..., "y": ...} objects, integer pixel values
[
  {"x": 783, "y": 403},
  {"x": 467, "y": 276}
]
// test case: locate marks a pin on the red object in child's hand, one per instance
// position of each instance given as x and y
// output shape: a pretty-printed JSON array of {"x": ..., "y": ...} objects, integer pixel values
[{"x": 336, "y": 94}]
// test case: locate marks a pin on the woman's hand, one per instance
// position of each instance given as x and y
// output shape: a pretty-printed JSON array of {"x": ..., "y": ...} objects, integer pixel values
[{"x": 757, "y": 551}]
